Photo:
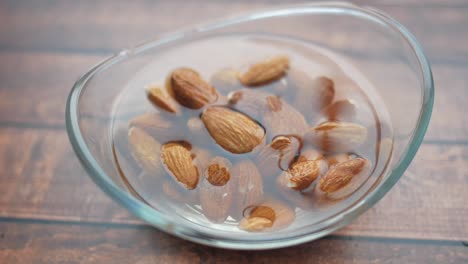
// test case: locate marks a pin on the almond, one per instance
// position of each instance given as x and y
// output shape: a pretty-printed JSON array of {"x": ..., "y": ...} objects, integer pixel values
[
  {"x": 157, "y": 126},
  {"x": 248, "y": 185},
  {"x": 340, "y": 175},
  {"x": 216, "y": 190},
  {"x": 283, "y": 119},
  {"x": 232, "y": 130},
  {"x": 145, "y": 150},
  {"x": 218, "y": 172},
  {"x": 302, "y": 174},
  {"x": 161, "y": 99},
  {"x": 337, "y": 136},
  {"x": 274, "y": 103},
  {"x": 178, "y": 161},
  {"x": 280, "y": 143},
  {"x": 215, "y": 200},
  {"x": 269, "y": 214},
  {"x": 190, "y": 90},
  {"x": 250, "y": 102},
  {"x": 265, "y": 71},
  {"x": 226, "y": 81},
  {"x": 343, "y": 110},
  {"x": 277, "y": 156},
  {"x": 312, "y": 94},
  {"x": 255, "y": 224}
]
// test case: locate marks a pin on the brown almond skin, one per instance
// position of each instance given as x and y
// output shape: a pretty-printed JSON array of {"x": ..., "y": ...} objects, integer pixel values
[
  {"x": 341, "y": 175},
  {"x": 266, "y": 71},
  {"x": 190, "y": 90},
  {"x": 274, "y": 103},
  {"x": 178, "y": 161},
  {"x": 280, "y": 142},
  {"x": 162, "y": 100},
  {"x": 232, "y": 130},
  {"x": 145, "y": 150},
  {"x": 263, "y": 211},
  {"x": 218, "y": 172},
  {"x": 303, "y": 174},
  {"x": 268, "y": 215}
]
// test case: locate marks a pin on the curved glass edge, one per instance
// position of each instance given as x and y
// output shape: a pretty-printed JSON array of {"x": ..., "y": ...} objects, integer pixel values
[{"x": 162, "y": 222}]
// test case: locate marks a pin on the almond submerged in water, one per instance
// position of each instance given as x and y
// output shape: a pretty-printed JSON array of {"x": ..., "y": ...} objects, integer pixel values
[
  {"x": 302, "y": 174},
  {"x": 161, "y": 99},
  {"x": 283, "y": 119},
  {"x": 337, "y": 136},
  {"x": 218, "y": 172},
  {"x": 311, "y": 94},
  {"x": 267, "y": 215},
  {"x": 341, "y": 174},
  {"x": 233, "y": 131},
  {"x": 145, "y": 149},
  {"x": 251, "y": 149},
  {"x": 190, "y": 90},
  {"x": 157, "y": 126},
  {"x": 216, "y": 192},
  {"x": 248, "y": 185},
  {"x": 178, "y": 161},
  {"x": 265, "y": 71}
]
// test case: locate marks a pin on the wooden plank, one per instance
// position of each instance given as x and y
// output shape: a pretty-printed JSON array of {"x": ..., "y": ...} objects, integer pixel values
[
  {"x": 43, "y": 243},
  {"x": 108, "y": 26},
  {"x": 42, "y": 179},
  {"x": 38, "y": 96}
]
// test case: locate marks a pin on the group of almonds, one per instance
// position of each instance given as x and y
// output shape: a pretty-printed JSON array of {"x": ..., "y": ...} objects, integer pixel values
[{"x": 242, "y": 118}]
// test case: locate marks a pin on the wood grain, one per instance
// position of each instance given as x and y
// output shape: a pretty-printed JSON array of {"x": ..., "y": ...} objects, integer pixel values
[
  {"x": 46, "y": 243},
  {"x": 52, "y": 212},
  {"x": 42, "y": 179},
  {"x": 46, "y": 78},
  {"x": 112, "y": 25}
]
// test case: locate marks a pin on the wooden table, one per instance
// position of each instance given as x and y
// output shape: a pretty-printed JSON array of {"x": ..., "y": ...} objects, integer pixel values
[{"x": 51, "y": 211}]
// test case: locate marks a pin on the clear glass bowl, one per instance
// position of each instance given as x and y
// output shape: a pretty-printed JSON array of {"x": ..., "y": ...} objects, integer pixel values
[{"x": 382, "y": 49}]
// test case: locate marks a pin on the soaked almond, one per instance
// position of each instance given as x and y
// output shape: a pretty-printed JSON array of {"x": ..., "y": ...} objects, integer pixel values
[
  {"x": 267, "y": 215},
  {"x": 145, "y": 149},
  {"x": 218, "y": 172},
  {"x": 233, "y": 131},
  {"x": 190, "y": 90},
  {"x": 248, "y": 185},
  {"x": 177, "y": 158},
  {"x": 266, "y": 71},
  {"x": 215, "y": 200},
  {"x": 343, "y": 110},
  {"x": 159, "y": 97},
  {"x": 337, "y": 136},
  {"x": 283, "y": 119},
  {"x": 341, "y": 174}
]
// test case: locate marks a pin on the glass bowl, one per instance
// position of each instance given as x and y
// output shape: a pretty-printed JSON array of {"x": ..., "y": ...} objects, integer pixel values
[{"x": 383, "y": 50}]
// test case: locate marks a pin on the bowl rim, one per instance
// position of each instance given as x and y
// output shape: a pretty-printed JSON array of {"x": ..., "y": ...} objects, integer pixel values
[{"x": 184, "y": 231}]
